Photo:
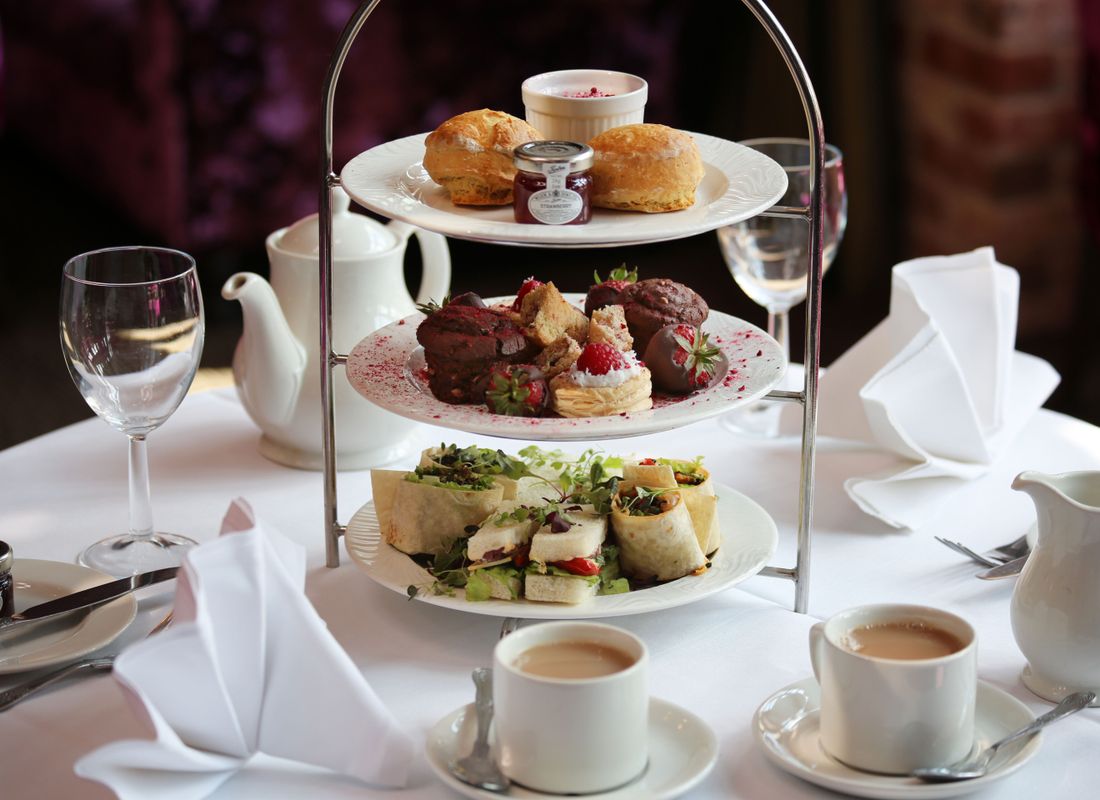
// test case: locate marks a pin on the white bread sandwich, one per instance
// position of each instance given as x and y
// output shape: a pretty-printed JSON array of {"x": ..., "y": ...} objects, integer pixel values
[
  {"x": 498, "y": 553},
  {"x": 565, "y": 567}
]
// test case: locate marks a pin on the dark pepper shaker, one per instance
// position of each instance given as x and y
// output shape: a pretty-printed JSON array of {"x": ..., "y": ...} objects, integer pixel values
[{"x": 7, "y": 582}]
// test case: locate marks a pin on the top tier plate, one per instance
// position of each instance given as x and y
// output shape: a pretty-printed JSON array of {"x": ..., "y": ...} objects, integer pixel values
[{"x": 390, "y": 179}]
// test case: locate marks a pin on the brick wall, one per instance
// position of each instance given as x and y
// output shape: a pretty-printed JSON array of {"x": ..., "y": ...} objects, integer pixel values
[{"x": 990, "y": 94}]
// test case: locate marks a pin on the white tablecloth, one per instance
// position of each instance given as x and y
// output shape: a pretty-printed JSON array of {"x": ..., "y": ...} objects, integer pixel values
[{"x": 719, "y": 657}]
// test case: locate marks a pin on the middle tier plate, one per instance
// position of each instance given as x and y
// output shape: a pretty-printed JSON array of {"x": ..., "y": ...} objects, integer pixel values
[
  {"x": 388, "y": 369},
  {"x": 749, "y": 538}
]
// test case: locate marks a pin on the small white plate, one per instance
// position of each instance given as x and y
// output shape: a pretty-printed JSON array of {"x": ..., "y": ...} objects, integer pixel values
[
  {"x": 786, "y": 726},
  {"x": 47, "y": 643},
  {"x": 738, "y": 183},
  {"x": 749, "y": 537},
  {"x": 388, "y": 369},
  {"x": 682, "y": 750}
]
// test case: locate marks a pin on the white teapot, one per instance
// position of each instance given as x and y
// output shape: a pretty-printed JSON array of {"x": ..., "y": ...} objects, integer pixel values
[
  {"x": 277, "y": 362},
  {"x": 1056, "y": 602}
]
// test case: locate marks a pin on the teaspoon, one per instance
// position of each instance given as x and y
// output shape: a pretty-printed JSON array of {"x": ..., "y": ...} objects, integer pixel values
[
  {"x": 479, "y": 768},
  {"x": 979, "y": 765}
]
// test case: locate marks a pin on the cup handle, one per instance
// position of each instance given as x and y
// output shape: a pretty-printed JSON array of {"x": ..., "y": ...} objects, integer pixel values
[{"x": 817, "y": 642}]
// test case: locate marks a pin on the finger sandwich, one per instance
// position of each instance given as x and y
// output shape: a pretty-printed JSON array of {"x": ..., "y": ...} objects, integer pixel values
[
  {"x": 565, "y": 567},
  {"x": 499, "y": 549}
]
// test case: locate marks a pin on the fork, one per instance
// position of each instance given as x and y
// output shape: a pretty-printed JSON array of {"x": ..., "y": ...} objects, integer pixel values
[
  {"x": 9, "y": 697},
  {"x": 994, "y": 557}
]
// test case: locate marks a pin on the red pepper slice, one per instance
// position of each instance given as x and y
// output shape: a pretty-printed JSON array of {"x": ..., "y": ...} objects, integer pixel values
[
  {"x": 579, "y": 566},
  {"x": 520, "y": 556}
]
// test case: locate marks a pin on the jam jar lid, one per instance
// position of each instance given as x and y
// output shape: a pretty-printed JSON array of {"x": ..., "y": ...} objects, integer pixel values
[
  {"x": 531, "y": 157},
  {"x": 6, "y": 558}
]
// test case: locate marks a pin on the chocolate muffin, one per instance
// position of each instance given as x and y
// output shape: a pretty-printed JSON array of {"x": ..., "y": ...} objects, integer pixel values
[
  {"x": 651, "y": 304},
  {"x": 461, "y": 346}
]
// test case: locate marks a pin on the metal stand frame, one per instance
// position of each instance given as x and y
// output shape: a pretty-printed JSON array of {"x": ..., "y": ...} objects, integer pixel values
[{"x": 813, "y": 214}]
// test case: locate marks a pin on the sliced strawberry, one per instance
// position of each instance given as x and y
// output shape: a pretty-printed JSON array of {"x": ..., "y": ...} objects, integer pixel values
[
  {"x": 524, "y": 290},
  {"x": 517, "y": 390},
  {"x": 599, "y": 358}
]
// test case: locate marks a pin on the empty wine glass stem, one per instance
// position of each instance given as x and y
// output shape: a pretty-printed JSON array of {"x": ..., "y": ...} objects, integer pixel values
[
  {"x": 141, "y": 508},
  {"x": 778, "y": 329}
]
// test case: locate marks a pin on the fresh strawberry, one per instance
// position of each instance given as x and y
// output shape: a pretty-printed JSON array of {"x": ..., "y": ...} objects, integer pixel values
[
  {"x": 682, "y": 359},
  {"x": 599, "y": 358},
  {"x": 517, "y": 390},
  {"x": 524, "y": 290}
]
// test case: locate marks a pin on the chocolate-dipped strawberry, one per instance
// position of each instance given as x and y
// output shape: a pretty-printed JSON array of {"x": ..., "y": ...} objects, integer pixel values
[
  {"x": 682, "y": 359},
  {"x": 608, "y": 292},
  {"x": 467, "y": 299},
  {"x": 517, "y": 390}
]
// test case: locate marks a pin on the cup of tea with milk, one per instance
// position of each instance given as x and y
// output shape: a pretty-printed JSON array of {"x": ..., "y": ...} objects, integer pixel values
[
  {"x": 571, "y": 707},
  {"x": 898, "y": 687}
]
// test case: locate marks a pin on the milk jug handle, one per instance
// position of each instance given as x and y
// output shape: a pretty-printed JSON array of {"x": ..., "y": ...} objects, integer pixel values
[{"x": 435, "y": 281}]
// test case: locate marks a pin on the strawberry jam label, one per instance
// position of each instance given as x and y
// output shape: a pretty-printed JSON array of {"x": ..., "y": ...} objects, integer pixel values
[{"x": 556, "y": 204}]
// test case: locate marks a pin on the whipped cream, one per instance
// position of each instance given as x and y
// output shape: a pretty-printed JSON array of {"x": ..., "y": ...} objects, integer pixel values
[{"x": 616, "y": 377}]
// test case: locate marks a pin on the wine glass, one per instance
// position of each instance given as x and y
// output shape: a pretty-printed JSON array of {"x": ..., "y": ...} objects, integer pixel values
[
  {"x": 132, "y": 333},
  {"x": 769, "y": 256}
]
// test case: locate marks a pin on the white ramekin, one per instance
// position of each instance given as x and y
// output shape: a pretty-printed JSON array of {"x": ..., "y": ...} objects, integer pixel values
[{"x": 578, "y": 119}]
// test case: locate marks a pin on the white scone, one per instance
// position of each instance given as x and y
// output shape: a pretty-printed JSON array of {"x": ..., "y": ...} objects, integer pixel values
[
  {"x": 645, "y": 167},
  {"x": 470, "y": 155}
]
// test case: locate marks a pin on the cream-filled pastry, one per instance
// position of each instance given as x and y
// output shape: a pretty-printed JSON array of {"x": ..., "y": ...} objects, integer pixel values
[{"x": 602, "y": 382}]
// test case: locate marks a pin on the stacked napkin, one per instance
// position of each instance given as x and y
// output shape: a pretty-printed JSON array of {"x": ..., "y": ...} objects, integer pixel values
[
  {"x": 938, "y": 383},
  {"x": 247, "y": 666}
]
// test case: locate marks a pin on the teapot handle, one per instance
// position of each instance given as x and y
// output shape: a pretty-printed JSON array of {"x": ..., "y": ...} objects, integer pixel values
[{"x": 436, "y": 257}]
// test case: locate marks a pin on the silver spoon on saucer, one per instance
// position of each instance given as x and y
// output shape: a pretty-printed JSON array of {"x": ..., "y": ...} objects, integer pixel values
[
  {"x": 978, "y": 765},
  {"x": 479, "y": 768}
]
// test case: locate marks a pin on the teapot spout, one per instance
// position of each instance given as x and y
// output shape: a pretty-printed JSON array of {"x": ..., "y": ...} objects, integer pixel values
[{"x": 270, "y": 362}]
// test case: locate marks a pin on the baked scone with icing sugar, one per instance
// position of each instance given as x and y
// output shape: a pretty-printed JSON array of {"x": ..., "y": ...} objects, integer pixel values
[
  {"x": 470, "y": 156},
  {"x": 645, "y": 167}
]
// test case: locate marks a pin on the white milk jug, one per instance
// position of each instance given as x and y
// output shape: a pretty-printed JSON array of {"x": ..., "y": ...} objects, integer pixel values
[{"x": 1056, "y": 602}]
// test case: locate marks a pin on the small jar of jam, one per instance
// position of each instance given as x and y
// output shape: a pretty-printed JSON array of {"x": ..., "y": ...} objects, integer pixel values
[
  {"x": 553, "y": 183},
  {"x": 7, "y": 582}
]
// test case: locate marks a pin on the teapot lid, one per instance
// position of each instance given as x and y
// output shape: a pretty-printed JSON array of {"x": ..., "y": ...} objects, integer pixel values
[{"x": 353, "y": 235}]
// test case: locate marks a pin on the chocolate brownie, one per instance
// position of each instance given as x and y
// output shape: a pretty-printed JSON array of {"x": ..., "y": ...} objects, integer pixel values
[
  {"x": 462, "y": 344},
  {"x": 651, "y": 304}
]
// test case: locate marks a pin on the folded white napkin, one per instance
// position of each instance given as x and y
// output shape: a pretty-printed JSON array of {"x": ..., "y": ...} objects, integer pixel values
[
  {"x": 247, "y": 666},
  {"x": 938, "y": 383}
]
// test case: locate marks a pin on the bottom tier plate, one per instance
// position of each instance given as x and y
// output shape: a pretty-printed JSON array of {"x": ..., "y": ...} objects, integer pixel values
[{"x": 749, "y": 538}]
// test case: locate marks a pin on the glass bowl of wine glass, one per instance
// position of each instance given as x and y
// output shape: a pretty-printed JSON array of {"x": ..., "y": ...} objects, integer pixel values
[
  {"x": 131, "y": 324},
  {"x": 769, "y": 256}
]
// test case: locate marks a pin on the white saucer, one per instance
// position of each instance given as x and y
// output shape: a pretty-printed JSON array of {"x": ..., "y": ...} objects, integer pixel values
[
  {"x": 786, "y": 726},
  {"x": 47, "y": 643},
  {"x": 682, "y": 750}
]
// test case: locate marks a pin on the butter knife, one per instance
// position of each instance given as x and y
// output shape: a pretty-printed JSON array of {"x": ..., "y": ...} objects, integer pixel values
[
  {"x": 1007, "y": 570},
  {"x": 86, "y": 598}
]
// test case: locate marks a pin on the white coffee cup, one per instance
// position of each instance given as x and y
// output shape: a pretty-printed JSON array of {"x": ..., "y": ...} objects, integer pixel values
[
  {"x": 571, "y": 735},
  {"x": 893, "y": 715}
]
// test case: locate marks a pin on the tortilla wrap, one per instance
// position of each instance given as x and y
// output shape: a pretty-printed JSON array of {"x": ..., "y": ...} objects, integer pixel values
[
  {"x": 509, "y": 485},
  {"x": 417, "y": 517},
  {"x": 660, "y": 547},
  {"x": 701, "y": 501}
]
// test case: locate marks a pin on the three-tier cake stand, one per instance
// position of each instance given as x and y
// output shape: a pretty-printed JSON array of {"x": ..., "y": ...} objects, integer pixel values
[{"x": 813, "y": 214}]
